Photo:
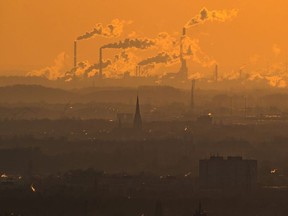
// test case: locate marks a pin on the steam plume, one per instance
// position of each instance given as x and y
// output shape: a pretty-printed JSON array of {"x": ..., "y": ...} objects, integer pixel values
[
  {"x": 161, "y": 58},
  {"x": 214, "y": 15},
  {"x": 85, "y": 70},
  {"x": 53, "y": 72},
  {"x": 123, "y": 63},
  {"x": 115, "y": 29},
  {"x": 276, "y": 50},
  {"x": 96, "y": 67},
  {"x": 170, "y": 53},
  {"x": 131, "y": 43}
]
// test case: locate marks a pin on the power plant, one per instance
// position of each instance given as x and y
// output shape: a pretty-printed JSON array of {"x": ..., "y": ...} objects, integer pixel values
[
  {"x": 150, "y": 70},
  {"x": 165, "y": 56},
  {"x": 181, "y": 75}
]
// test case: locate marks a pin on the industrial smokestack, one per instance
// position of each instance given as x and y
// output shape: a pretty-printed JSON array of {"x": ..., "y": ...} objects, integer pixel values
[
  {"x": 192, "y": 95},
  {"x": 245, "y": 106},
  {"x": 139, "y": 70},
  {"x": 136, "y": 71},
  {"x": 216, "y": 73},
  {"x": 184, "y": 31},
  {"x": 183, "y": 69},
  {"x": 100, "y": 63},
  {"x": 75, "y": 54}
]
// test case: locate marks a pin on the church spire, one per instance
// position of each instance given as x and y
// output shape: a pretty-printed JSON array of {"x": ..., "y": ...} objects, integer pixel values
[{"x": 137, "y": 117}]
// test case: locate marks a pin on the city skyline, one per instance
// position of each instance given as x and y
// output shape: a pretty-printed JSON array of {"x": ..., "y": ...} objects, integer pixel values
[{"x": 242, "y": 43}]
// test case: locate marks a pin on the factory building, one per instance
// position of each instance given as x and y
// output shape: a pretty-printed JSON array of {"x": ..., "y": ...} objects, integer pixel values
[{"x": 231, "y": 173}]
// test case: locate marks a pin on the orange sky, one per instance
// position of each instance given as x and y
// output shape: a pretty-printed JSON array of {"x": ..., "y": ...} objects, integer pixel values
[{"x": 33, "y": 33}]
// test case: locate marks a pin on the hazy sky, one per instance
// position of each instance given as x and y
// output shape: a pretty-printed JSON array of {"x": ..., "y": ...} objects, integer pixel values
[{"x": 34, "y": 32}]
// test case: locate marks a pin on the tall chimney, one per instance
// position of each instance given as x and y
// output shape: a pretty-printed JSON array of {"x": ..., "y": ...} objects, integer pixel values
[
  {"x": 184, "y": 31},
  {"x": 245, "y": 106},
  {"x": 216, "y": 73},
  {"x": 100, "y": 63},
  {"x": 136, "y": 71},
  {"x": 75, "y": 54},
  {"x": 183, "y": 72},
  {"x": 139, "y": 70},
  {"x": 240, "y": 73},
  {"x": 192, "y": 95}
]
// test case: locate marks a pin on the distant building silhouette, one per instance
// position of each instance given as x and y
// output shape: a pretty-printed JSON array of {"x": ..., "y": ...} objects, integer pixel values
[
  {"x": 233, "y": 172},
  {"x": 137, "y": 117}
]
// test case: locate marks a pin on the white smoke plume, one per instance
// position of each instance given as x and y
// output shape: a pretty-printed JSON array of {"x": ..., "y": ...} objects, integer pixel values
[
  {"x": 276, "y": 81},
  {"x": 214, "y": 15},
  {"x": 171, "y": 54},
  {"x": 163, "y": 42},
  {"x": 196, "y": 76},
  {"x": 276, "y": 50},
  {"x": 166, "y": 43},
  {"x": 161, "y": 58},
  {"x": 53, "y": 72},
  {"x": 85, "y": 70},
  {"x": 193, "y": 50},
  {"x": 131, "y": 43},
  {"x": 115, "y": 29},
  {"x": 123, "y": 63}
]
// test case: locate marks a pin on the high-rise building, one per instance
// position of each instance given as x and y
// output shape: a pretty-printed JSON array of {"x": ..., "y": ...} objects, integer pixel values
[
  {"x": 137, "y": 117},
  {"x": 230, "y": 173}
]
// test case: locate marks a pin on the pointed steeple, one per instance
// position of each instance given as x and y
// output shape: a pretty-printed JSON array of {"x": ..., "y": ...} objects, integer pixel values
[{"x": 137, "y": 117}]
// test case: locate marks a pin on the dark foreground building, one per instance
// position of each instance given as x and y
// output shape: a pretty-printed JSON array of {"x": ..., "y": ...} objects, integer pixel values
[{"x": 233, "y": 172}]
